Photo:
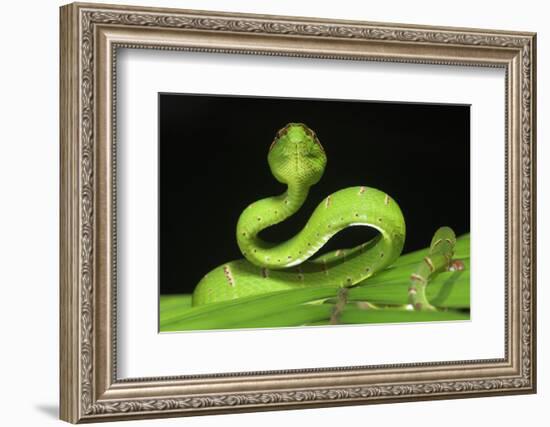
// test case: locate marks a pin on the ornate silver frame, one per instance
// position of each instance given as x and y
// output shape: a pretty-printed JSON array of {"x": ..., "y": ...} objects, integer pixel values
[{"x": 90, "y": 35}]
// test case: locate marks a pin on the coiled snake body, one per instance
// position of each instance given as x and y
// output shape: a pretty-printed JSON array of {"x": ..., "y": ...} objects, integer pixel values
[{"x": 297, "y": 159}]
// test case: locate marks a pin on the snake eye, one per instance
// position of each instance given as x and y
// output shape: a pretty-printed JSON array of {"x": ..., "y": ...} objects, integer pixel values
[{"x": 282, "y": 132}]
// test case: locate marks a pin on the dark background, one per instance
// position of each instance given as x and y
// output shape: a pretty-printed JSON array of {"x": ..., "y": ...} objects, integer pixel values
[{"x": 213, "y": 163}]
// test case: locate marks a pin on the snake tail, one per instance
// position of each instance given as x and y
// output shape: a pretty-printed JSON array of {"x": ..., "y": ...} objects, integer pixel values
[{"x": 439, "y": 258}]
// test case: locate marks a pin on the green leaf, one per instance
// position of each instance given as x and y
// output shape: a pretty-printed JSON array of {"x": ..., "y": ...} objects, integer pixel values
[
  {"x": 294, "y": 316},
  {"x": 169, "y": 303},
  {"x": 227, "y": 314},
  {"x": 448, "y": 290}
]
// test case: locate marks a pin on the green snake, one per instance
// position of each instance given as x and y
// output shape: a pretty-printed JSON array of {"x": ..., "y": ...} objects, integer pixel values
[{"x": 297, "y": 160}]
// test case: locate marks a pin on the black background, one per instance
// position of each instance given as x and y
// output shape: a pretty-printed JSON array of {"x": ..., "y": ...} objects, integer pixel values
[{"x": 213, "y": 163}]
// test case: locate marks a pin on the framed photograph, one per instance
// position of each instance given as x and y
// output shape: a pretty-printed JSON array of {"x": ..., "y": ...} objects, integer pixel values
[
  {"x": 337, "y": 274},
  {"x": 266, "y": 212}
]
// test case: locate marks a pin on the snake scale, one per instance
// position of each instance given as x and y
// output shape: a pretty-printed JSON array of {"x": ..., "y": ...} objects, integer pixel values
[{"x": 297, "y": 159}]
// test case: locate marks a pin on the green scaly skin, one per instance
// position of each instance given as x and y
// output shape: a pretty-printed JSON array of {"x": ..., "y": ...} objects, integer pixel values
[
  {"x": 438, "y": 259},
  {"x": 297, "y": 159}
]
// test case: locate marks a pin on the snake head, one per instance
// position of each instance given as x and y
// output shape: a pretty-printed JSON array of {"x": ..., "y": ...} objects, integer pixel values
[{"x": 296, "y": 156}]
